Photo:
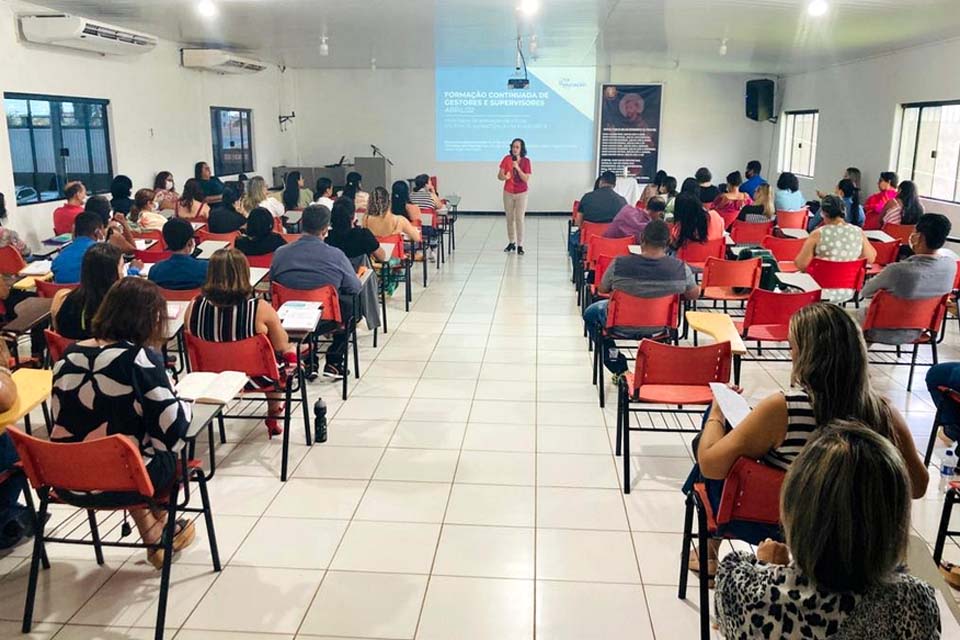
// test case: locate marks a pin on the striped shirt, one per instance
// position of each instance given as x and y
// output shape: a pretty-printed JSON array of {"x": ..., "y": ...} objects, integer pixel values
[
  {"x": 801, "y": 426},
  {"x": 423, "y": 199},
  {"x": 223, "y": 324}
]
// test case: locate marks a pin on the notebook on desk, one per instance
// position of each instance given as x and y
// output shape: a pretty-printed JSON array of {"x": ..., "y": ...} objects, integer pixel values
[
  {"x": 204, "y": 387},
  {"x": 802, "y": 281},
  {"x": 37, "y": 268},
  {"x": 297, "y": 315}
]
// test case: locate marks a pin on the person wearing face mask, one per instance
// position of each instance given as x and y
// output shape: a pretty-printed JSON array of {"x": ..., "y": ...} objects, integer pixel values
[
  {"x": 164, "y": 192},
  {"x": 64, "y": 216},
  {"x": 515, "y": 174},
  {"x": 87, "y": 231},
  {"x": 144, "y": 213}
]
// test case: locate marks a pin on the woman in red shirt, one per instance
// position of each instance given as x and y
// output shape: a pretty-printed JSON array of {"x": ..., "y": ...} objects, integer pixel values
[
  {"x": 873, "y": 207},
  {"x": 515, "y": 173}
]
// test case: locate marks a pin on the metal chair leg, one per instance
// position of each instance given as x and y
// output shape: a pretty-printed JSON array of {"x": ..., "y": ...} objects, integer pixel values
[
  {"x": 35, "y": 562},
  {"x": 208, "y": 521},
  {"x": 950, "y": 499},
  {"x": 685, "y": 546},
  {"x": 95, "y": 535},
  {"x": 171, "y": 528}
]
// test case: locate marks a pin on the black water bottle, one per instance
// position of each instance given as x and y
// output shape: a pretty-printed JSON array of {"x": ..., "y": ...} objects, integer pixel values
[{"x": 320, "y": 421}]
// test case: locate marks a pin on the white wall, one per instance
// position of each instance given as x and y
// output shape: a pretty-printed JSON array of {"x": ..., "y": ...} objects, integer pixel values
[
  {"x": 859, "y": 105},
  {"x": 159, "y": 111}
]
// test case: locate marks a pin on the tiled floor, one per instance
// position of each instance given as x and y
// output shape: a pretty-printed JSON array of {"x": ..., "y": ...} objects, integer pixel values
[{"x": 468, "y": 490}]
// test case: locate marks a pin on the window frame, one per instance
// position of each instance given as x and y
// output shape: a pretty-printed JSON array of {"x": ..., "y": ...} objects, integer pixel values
[
  {"x": 784, "y": 159},
  {"x": 217, "y": 140},
  {"x": 56, "y": 127},
  {"x": 920, "y": 106}
]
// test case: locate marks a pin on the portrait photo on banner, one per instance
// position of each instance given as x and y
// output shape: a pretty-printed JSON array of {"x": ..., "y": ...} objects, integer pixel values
[{"x": 629, "y": 129}]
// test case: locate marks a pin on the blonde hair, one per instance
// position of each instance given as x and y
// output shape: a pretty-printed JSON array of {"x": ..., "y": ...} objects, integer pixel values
[
  {"x": 763, "y": 196},
  {"x": 830, "y": 365},
  {"x": 845, "y": 508},
  {"x": 228, "y": 278},
  {"x": 379, "y": 202},
  {"x": 256, "y": 193}
]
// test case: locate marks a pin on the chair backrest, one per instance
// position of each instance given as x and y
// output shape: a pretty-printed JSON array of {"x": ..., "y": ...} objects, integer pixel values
[
  {"x": 112, "y": 463},
  {"x": 179, "y": 295},
  {"x": 750, "y": 232},
  {"x": 203, "y": 235},
  {"x": 150, "y": 256},
  {"x": 11, "y": 262},
  {"x": 254, "y": 356},
  {"x": 665, "y": 364},
  {"x": 775, "y": 309},
  {"x": 56, "y": 344},
  {"x": 263, "y": 261},
  {"x": 887, "y": 311},
  {"x": 49, "y": 289},
  {"x": 838, "y": 275},
  {"x": 783, "y": 249},
  {"x": 327, "y": 295},
  {"x": 590, "y": 229},
  {"x": 900, "y": 231},
  {"x": 873, "y": 221},
  {"x": 612, "y": 247},
  {"x": 887, "y": 252},
  {"x": 151, "y": 234},
  {"x": 628, "y": 311},
  {"x": 278, "y": 225},
  {"x": 700, "y": 251},
  {"x": 399, "y": 246},
  {"x": 603, "y": 263},
  {"x": 751, "y": 493},
  {"x": 732, "y": 273},
  {"x": 291, "y": 237},
  {"x": 792, "y": 219}
]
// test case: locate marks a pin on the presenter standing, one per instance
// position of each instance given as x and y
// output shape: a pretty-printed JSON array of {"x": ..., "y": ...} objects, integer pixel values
[{"x": 515, "y": 174}]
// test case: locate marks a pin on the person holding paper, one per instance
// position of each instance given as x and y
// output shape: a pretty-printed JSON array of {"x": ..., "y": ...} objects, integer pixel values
[{"x": 826, "y": 384}]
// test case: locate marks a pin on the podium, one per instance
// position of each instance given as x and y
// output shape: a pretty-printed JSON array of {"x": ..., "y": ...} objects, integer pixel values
[{"x": 375, "y": 172}]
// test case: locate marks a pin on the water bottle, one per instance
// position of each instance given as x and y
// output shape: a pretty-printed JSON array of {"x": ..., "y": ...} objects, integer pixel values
[
  {"x": 948, "y": 466},
  {"x": 320, "y": 421}
]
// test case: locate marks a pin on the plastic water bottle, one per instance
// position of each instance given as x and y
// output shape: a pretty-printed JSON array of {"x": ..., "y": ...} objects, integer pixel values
[
  {"x": 948, "y": 467},
  {"x": 320, "y": 421}
]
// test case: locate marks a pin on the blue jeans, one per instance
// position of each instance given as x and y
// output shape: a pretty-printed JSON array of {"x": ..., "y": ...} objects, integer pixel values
[
  {"x": 596, "y": 316},
  {"x": 946, "y": 374},
  {"x": 573, "y": 244}
]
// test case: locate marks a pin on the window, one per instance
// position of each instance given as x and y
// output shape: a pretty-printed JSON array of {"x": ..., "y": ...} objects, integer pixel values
[
  {"x": 930, "y": 149},
  {"x": 56, "y": 140},
  {"x": 232, "y": 142},
  {"x": 798, "y": 142}
]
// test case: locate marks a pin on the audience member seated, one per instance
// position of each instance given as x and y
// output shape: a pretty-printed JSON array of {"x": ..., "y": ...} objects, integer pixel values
[
  {"x": 354, "y": 242},
  {"x": 224, "y": 217},
  {"x": 117, "y": 228},
  {"x": 753, "y": 178},
  {"x": 601, "y": 204},
  {"x": 691, "y": 223},
  {"x": 210, "y": 186},
  {"x": 423, "y": 194},
  {"x": 652, "y": 274},
  {"x": 181, "y": 270},
  {"x": 945, "y": 374},
  {"x": 354, "y": 190},
  {"x": 120, "y": 190},
  {"x": 906, "y": 208},
  {"x": 16, "y": 520},
  {"x": 827, "y": 383},
  {"x": 383, "y": 222},
  {"x": 228, "y": 310},
  {"x": 788, "y": 196},
  {"x": 324, "y": 193},
  {"x": 192, "y": 204},
  {"x": 400, "y": 204},
  {"x": 845, "y": 508},
  {"x": 310, "y": 263},
  {"x": 836, "y": 241},
  {"x": 729, "y": 203},
  {"x": 852, "y": 174},
  {"x": 708, "y": 190},
  {"x": 925, "y": 274},
  {"x": 87, "y": 231},
  {"x": 258, "y": 196},
  {"x": 117, "y": 383},
  {"x": 850, "y": 193},
  {"x": 64, "y": 215},
  {"x": 144, "y": 213},
  {"x": 668, "y": 191},
  {"x": 260, "y": 239},
  {"x": 9, "y": 237},
  {"x": 762, "y": 210},
  {"x": 295, "y": 195},
  {"x": 631, "y": 221},
  {"x": 887, "y": 191},
  {"x": 691, "y": 186},
  {"x": 72, "y": 310},
  {"x": 164, "y": 192},
  {"x": 653, "y": 188}
]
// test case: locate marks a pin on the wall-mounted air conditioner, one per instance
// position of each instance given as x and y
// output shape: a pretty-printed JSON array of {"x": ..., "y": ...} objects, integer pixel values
[
  {"x": 219, "y": 61},
  {"x": 63, "y": 30}
]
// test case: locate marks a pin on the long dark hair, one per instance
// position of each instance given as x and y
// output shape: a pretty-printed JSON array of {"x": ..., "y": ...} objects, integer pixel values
[
  {"x": 191, "y": 192},
  {"x": 121, "y": 187},
  {"x": 341, "y": 217},
  {"x": 850, "y": 190},
  {"x": 523, "y": 147},
  {"x": 659, "y": 178},
  {"x": 259, "y": 223},
  {"x": 400, "y": 198},
  {"x": 690, "y": 218},
  {"x": 98, "y": 272},
  {"x": 160, "y": 182},
  {"x": 291, "y": 190},
  {"x": 198, "y": 170},
  {"x": 912, "y": 208},
  {"x": 691, "y": 186}
]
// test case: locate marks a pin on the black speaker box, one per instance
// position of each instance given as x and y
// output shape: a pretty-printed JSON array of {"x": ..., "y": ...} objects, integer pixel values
[{"x": 759, "y": 100}]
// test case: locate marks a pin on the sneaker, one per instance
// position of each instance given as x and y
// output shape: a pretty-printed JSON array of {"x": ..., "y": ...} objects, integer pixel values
[
  {"x": 519, "y": 251},
  {"x": 510, "y": 247},
  {"x": 332, "y": 371}
]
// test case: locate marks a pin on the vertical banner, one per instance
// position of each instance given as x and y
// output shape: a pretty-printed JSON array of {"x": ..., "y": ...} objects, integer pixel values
[{"x": 628, "y": 140}]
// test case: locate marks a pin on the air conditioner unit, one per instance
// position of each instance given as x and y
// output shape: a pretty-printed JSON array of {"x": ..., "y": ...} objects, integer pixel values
[
  {"x": 219, "y": 61},
  {"x": 63, "y": 30}
]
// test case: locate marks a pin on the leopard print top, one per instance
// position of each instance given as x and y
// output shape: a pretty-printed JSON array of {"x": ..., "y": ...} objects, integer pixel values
[{"x": 757, "y": 600}]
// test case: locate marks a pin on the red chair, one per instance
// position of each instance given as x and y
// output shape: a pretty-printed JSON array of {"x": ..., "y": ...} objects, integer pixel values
[
  {"x": 751, "y": 493},
  {"x": 151, "y": 256},
  {"x": 625, "y": 313},
  {"x": 151, "y": 234},
  {"x": 587, "y": 231},
  {"x": 767, "y": 316},
  {"x": 603, "y": 263},
  {"x": 901, "y": 232},
  {"x": 750, "y": 232},
  {"x": 873, "y": 221},
  {"x": 695, "y": 254},
  {"x": 792, "y": 219},
  {"x": 105, "y": 464},
  {"x": 668, "y": 375},
  {"x": 887, "y": 253},
  {"x": 11, "y": 262},
  {"x": 596, "y": 245},
  {"x": 49, "y": 289},
  {"x": 179, "y": 295},
  {"x": 262, "y": 262},
  {"x": 405, "y": 265},
  {"x": 785, "y": 250},
  {"x": 839, "y": 275},
  {"x": 722, "y": 278},
  {"x": 888, "y": 312},
  {"x": 56, "y": 344},
  {"x": 278, "y": 225},
  {"x": 256, "y": 358},
  {"x": 203, "y": 235},
  {"x": 436, "y": 223}
]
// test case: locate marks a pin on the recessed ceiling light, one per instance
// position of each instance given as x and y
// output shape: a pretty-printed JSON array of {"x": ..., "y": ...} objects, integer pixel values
[
  {"x": 817, "y": 8},
  {"x": 529, "y": 7},
  {"x": 207, "y": 8}
]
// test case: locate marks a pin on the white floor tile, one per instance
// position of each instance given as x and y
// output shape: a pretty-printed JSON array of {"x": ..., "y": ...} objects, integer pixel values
[
  {"x": 428, "y": 435},
  {"x": 404, "y": 501},
  {"x": 477, "y": 609},
  {"x": 491, "y": 505},
  {"x": 291, "y": 543},
  {"x": 576, "y": 610},
  {"x": 317, "y": 498},
  {"x": 496, "y": 467},
  {"x": 485, "y": 552},
  {"x": 567, "y": 508},
  {"x": 339, "y": 462},
  {"x": 393, "y": 547},
  {"x": 428, "y": 465},
  {"x": 500, "y": 437},
  {"x": 589, "y": 556}
]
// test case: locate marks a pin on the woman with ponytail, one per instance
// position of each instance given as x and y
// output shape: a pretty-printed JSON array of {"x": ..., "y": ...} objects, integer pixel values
[{"x": 850, "y": 192}]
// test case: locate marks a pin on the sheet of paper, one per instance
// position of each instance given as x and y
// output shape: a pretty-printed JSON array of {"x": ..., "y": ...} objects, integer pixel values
[
  {"x": 300, "y": 316},
  {"x": 210, "y": 247},
  {"x": 37, "y": 268},
  {"x": 731, "y": 403},
  {"x": 802, "y": 281},
  {"x": 198, "y": 225},
  {"x": 878, "y": 236},
  {"x": 174, "y": 309},
  {"x": 635, "y": 249},
  {"x": 795, "y": 233},
  {"x": 257, "y": 274},
  {"x": 143, "y": 245}
]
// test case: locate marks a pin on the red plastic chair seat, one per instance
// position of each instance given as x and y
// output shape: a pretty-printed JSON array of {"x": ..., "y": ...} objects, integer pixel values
[
  {"x": 788, "y": 267},
  {"x": 672, "y": 393},
  {"x": 723, "y": 293},
  {"x": 701, "y": 490},
  {"x": 764, "y": 332}
]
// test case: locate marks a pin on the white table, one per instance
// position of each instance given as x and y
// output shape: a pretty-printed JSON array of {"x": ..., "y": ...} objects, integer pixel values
[
  {"x": 635, "y": 249},
  {"x": 878, "y": 236},
  {"x": 143, "y": 245},
  {"x": 257, "y": 274},
  {"x": 210, "y": 247},
  {"x": 800, "y": 234},
  {"x": 174, "y": 324},
  {"x": 802, "y": 281},
  {"x": 198, "y": 225},
  {"x": 629, "y": 188},
  {"x": 388, "y": 248}
]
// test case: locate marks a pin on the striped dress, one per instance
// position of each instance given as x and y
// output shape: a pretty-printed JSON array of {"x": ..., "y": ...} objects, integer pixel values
[
  {"x": 801, "y": 426},
  {"x": 216, "y": 323}
]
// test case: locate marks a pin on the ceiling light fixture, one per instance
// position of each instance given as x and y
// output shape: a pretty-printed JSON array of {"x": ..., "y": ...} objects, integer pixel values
[
  {"x": 817, "y": 8},
  {"x": 373, "y": 64},
  {"x": 324, "y": 47},
  {"x": 207, "y": 8},
  {"x": 723, "y": 47},
  {"x": 529, "y": 7}
]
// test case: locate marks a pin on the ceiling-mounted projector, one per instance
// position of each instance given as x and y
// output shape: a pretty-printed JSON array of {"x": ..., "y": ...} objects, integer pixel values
[{"x": 518, "y": 83}]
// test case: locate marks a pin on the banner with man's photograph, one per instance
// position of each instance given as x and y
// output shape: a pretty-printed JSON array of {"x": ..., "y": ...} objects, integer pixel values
[{"x": 628, "y": 140}]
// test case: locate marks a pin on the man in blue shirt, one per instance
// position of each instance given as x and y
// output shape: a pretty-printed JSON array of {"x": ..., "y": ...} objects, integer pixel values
[
  {"x": 754, "y": 179},
  {"x": 181, "y": 270},
  {"x": 87, "y": 231},
  {"x": 310, "y": 263}
]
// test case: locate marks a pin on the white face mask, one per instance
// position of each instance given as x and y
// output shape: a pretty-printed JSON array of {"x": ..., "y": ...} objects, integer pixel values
[{"x": 169, "y": 185}]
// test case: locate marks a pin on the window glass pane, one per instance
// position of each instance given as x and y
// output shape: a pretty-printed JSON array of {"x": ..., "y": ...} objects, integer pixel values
[
  {"x": 232, "y": 147},
  {"x": 17, "y": 113},
  {"x": 908, "y": 140},
  {"x": 71, "y": 114},
  {"x": 802, "y": 165},
  {"x": 75, "y": 141},
  {"x": 40, "y": 111},
  {"x": 96, "y": 114},
  {"x": 948, "y": 153},
  {"x": 926, "y": 150},
  {"x": 814, "y": 130}
]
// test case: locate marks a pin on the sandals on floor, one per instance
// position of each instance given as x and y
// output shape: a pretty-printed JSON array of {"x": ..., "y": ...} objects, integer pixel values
[
  {"x": 950, "y": 573},
  {"x": 182, "y": 539},
  {"x": 693, "y": 565}
]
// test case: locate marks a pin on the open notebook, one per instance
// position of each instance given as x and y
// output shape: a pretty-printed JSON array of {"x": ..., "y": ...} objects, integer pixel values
[
  {"x": 211, "y": 388},
  {"x": 297, "y": 315}
]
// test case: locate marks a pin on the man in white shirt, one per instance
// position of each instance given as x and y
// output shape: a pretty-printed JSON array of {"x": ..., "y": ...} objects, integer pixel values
[{"x": 324, "y": 193}]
